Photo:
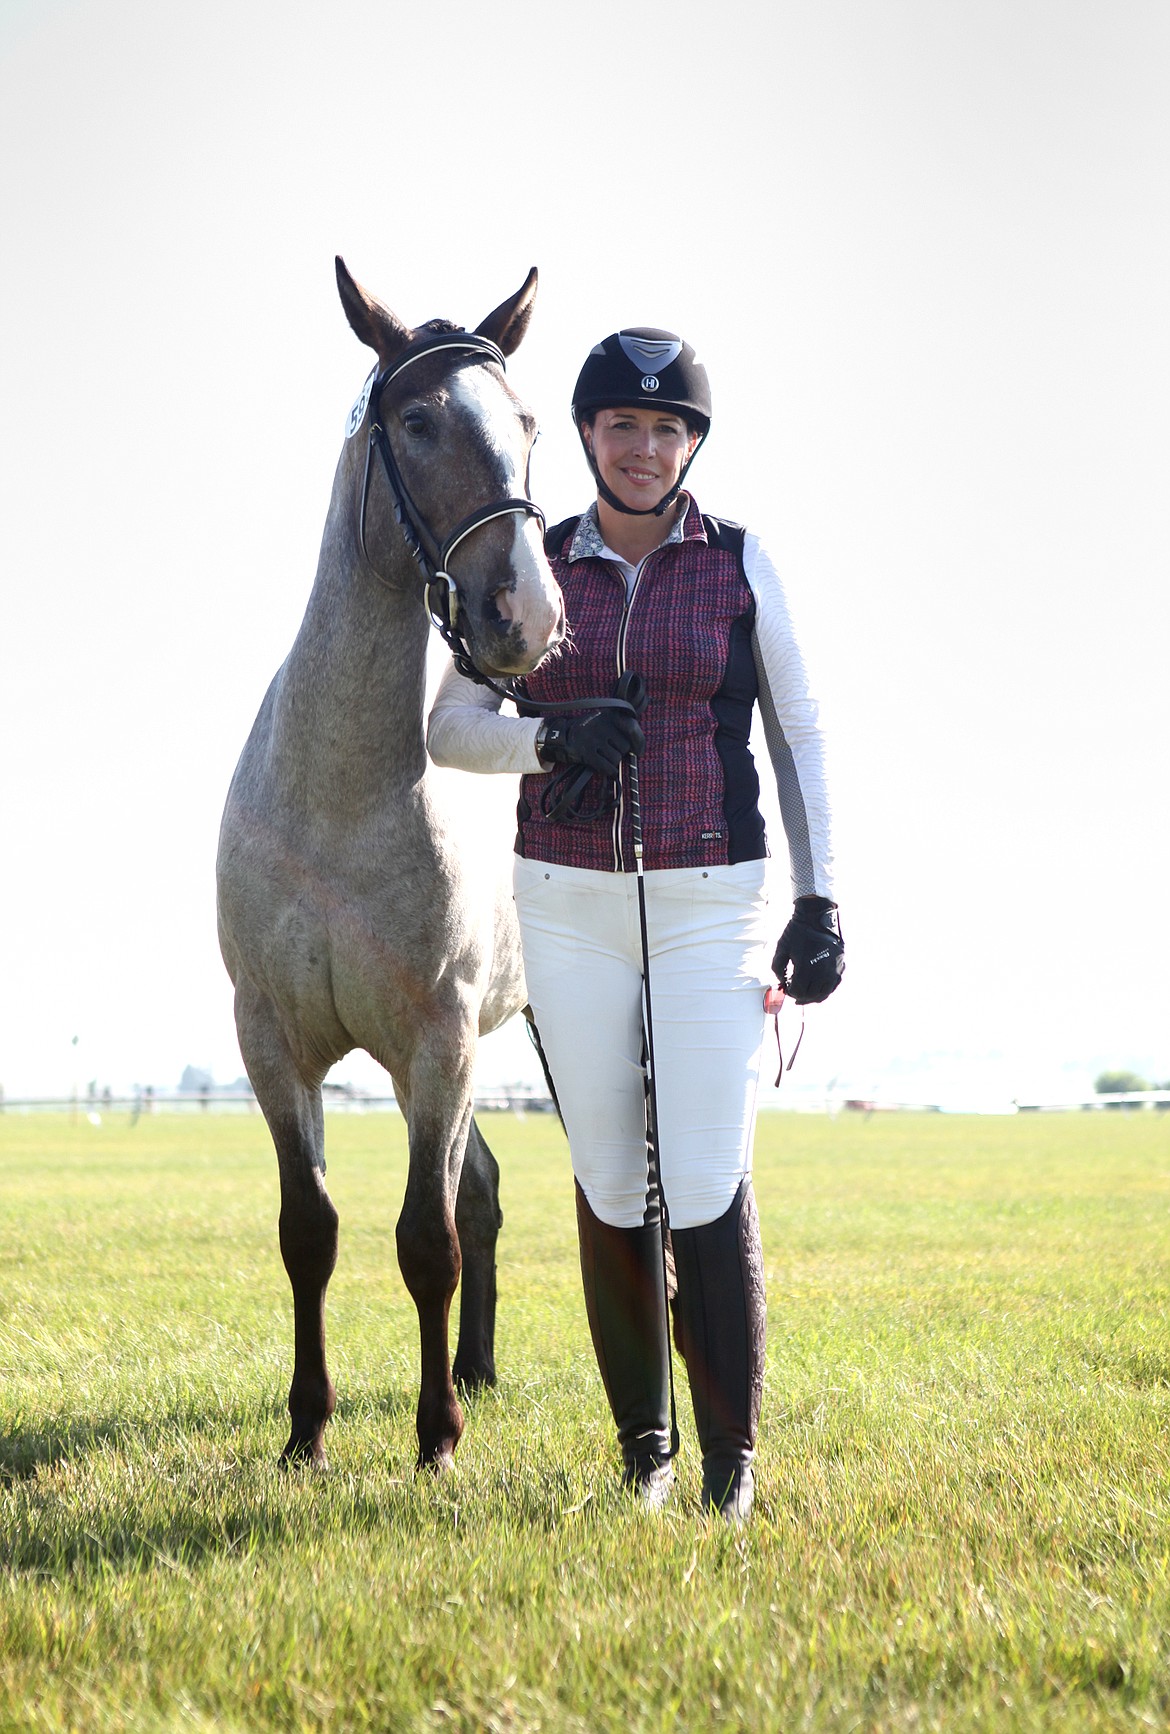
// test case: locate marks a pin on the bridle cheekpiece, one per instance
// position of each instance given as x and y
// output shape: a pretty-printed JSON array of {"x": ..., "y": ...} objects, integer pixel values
[{"x": 441, "y": 594}]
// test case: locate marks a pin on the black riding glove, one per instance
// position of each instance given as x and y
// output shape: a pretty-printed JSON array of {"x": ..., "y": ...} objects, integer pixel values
[
  {"x": 599, "y": 739},
  {"x": 810, "y": 957}
]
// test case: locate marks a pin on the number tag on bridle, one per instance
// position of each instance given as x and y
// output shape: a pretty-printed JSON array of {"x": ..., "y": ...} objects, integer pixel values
[{"x": 357, "y": 413}]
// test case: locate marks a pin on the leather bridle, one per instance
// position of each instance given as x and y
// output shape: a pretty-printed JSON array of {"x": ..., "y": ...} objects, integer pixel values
[{"x": 441, "y": 592}]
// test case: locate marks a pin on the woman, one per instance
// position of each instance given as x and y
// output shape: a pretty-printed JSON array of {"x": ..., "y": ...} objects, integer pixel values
[{"x": 693, "y": 606}]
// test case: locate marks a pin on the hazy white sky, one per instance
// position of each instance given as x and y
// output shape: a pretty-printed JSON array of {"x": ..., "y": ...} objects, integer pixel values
[{"x": 922, "y": 246}]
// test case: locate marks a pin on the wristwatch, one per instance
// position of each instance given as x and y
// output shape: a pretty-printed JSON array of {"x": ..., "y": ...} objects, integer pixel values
[{"x": 540, "y": 737}]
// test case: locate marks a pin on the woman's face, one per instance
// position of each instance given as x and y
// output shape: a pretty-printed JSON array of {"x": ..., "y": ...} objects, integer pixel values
[{"x": 639, "y": 453}]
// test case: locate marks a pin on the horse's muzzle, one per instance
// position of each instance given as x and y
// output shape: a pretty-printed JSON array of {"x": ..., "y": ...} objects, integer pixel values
[{"x": 521, "y": 624}]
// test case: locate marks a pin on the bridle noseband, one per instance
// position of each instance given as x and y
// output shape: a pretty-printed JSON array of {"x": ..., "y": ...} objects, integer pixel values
[{"x": 441, "y": 594}]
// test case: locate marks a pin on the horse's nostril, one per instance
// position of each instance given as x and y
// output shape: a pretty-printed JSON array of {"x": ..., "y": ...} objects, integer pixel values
[{"x": 504, "y": 601}]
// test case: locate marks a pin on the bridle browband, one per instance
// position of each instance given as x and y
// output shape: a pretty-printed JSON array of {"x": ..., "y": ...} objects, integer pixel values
[{"x": 441, "y": 593}]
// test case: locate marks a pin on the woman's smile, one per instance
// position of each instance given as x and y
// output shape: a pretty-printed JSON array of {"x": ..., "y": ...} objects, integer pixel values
[{"x": 639, "y": 453}]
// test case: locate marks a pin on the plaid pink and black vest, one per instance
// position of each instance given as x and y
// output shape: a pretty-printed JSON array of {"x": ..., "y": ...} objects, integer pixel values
[{"x": 687, "y": 631}]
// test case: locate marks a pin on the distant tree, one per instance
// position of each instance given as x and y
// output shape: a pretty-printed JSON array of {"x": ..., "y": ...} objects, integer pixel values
[{"x": 1118, "y": 1083}]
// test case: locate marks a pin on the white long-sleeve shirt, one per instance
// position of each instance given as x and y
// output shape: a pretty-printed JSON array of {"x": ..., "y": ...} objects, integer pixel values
[{"x": 467, "y": 728}]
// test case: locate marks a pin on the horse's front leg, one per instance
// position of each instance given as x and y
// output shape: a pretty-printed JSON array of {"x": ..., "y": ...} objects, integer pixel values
[
  {"x": 428, "y": 1245},
  {"x": 308, "y": 1220},
  {"x": 308, "y": 1245}
]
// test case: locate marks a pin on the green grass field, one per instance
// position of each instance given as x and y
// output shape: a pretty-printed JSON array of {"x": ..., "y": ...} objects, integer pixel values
[{"x": 963, "y": 1512}]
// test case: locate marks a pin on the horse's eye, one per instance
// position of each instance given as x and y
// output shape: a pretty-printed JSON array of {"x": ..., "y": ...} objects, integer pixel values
[{"x": 416, "y": 424}]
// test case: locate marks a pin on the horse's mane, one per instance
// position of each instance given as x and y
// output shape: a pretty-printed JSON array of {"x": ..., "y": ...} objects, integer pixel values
[{"x": 441, "y": 327}]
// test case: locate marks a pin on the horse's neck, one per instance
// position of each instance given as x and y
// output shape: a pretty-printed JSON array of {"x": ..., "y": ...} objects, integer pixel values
[{"x": 351, "y": 695}]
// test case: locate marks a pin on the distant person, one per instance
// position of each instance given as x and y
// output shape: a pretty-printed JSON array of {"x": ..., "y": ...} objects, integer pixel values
[{"x": 695, "y": 606}]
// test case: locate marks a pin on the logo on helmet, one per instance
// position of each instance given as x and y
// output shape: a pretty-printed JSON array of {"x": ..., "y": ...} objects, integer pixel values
[
  {"x": 649, "y": 382},
  {"x": 655, "y": 354}
]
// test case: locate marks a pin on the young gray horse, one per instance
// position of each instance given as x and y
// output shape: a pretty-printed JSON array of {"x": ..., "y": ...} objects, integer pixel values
[{"x": 347, "y": 918}]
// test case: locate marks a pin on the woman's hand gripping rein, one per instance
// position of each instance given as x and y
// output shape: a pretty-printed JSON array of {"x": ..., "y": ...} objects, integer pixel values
[
  {"x": 810, "y": 958},
  {"x": 599, "y": 739},
  {"x": 586, "y": 743}
]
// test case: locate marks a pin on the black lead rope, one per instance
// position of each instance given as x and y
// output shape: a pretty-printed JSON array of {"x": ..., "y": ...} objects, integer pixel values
[{"x": 562, "y": 798}]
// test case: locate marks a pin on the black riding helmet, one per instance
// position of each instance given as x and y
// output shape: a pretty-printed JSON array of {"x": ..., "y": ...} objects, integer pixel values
[{"x": 643, "y": 368}]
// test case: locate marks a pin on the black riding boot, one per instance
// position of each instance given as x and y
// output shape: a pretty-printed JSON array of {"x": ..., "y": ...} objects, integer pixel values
[
  {"x": 719, "y": 1318},
  {"x": 621, "y": 1269}
]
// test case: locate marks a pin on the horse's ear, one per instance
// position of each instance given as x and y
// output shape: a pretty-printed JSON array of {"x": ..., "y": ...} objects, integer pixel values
[
  {"x": 377, "y": 327},
  {"x": 507, "y": 325}
]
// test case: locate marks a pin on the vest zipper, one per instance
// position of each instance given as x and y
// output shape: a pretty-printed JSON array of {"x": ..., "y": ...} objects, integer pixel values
[{"x": 623, "y": 624}]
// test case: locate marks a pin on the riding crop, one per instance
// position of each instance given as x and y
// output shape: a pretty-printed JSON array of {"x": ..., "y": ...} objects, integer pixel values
[{"x": 631, "y": 687}]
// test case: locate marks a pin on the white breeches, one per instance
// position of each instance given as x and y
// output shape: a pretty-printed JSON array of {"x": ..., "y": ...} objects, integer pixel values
[{"x": 709, "y": 945}]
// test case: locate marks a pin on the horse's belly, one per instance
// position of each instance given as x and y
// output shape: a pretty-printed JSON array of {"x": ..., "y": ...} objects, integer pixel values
[{"x": 479, "y": 817}]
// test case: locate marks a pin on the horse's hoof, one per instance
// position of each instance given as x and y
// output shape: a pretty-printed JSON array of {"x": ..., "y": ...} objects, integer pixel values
[
  {"x": 304, "y": 1454},
  {"x": 470, "y": 1380},
  {"x": 440, "y": 1463}
]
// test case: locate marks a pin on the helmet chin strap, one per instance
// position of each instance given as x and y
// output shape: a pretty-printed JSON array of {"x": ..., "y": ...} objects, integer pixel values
[{"x": 611, "y": 499}]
